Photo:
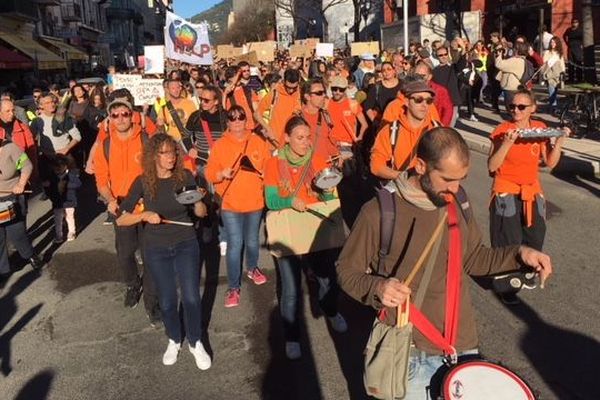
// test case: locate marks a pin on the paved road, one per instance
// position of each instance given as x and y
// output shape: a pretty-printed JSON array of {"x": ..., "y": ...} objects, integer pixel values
[{"x": 66, "y": 335}]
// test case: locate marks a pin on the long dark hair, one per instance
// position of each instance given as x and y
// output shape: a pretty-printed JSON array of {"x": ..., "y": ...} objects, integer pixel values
[
  {"x": 559, "y": 46},
  {"x": 151, "y": 152}
]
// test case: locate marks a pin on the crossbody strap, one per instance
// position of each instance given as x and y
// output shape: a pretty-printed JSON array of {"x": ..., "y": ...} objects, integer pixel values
[
  {"x": 207, "y": 132},
  {"x": 176, "y": 119}
]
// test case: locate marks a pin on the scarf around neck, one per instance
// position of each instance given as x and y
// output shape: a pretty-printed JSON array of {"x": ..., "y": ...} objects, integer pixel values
[
  {"x": 288, "y": 155},
  {"x": 411, "y": 194}
]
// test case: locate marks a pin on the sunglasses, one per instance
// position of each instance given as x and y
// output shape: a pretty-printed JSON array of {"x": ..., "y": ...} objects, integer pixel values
[
  {"x": 199, "y": 87},
  {"x": 442, "y": 54},
  {"x": 318, "y": 93},
  {"x": 521, "y": 107},
  {"x": 123, "y": 114},
  {"x": 419, "y": 100},
  {"x": 239, "y": 117},
  {"x": 205, "y": 100},
  {"x": 337, "y": 89}
]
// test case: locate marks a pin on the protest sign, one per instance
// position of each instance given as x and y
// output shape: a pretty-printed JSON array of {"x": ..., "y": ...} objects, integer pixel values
[
  {"x": 187, "y": 42},
  {"x": 154, "y": 57},
  {"x": 250, "y": 58},
  {"x": 225, "y": 51},
  {"x": 265, "y": 51},
  {"x": 324, "y": 50},
  {"x": 146, "y": 91},
  {"x": 122, "y": 81},
  {"x": 360, "y": 48},
  {"x": 310, "y": 42},
  {"x": 299, "y": 50}
]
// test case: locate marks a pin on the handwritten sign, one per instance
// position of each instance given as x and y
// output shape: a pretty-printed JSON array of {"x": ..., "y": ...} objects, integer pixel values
[
  {"x": 225, "y": 51},
  {"x": 146, "y": 91},
  {"x": 123, "y": 81},
  {"x": 265, "y": 51},
  {"x": 299, "y": 50},
  {"x": 251, "y": 58}
]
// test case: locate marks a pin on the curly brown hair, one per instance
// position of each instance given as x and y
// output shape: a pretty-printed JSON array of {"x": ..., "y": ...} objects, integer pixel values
[{"x": 156, "y": 144}]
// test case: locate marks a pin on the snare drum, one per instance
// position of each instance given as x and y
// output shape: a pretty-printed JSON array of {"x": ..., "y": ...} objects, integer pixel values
[
  {"x": 479, "y": 379},
  {"x": 328, "y": 178},
  {"x": 189, "y": 195},
  {"x": 7, "y": 211}
]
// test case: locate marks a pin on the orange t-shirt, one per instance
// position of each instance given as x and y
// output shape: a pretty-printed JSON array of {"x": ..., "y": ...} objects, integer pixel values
[
  {"x": 284, "y": 107},
  {"x": 344, "y": 114},
  {"x": 287, "y": 183},
  {"x": 244, "y": 193},
  {"x": 407, "y": 138},
  {"x": 184, "y": 108},
  {"x": 324, "y": 145},
  {"x": 241, "y": 100},
  {"x": 521, "y": 165}
]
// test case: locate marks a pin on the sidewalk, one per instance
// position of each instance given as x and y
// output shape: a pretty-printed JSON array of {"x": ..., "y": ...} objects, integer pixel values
[{"x": 580, "y": 156}]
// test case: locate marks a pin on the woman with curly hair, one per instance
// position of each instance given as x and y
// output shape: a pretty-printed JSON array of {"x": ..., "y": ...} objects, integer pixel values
[{"x": 171, "y": 250}]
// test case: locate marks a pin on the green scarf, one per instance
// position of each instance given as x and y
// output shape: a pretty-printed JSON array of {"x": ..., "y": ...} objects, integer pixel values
[{"x": 287, "y": 154}]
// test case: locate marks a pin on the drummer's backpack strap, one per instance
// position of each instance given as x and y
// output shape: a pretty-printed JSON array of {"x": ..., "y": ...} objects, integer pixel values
[
  {"x": 387, "y": 211},
  {"x": 463, "y": 201}
]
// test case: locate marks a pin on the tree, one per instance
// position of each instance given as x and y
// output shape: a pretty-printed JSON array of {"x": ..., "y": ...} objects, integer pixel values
[
  {"x": 292, "y": 9},
  {"x": 362, "y": 10},
  {"x": 254, "y": 24}
]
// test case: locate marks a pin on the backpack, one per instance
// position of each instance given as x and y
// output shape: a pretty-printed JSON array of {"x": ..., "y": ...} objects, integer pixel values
[
  {"x": 528, "y": 74},
  {"x": 386, "y": 199}
]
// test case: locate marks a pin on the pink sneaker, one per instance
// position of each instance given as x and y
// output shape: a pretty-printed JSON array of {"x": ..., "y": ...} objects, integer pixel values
[
  {"x": 232, "y": 298},
  {"x": 257, "y": 276}
]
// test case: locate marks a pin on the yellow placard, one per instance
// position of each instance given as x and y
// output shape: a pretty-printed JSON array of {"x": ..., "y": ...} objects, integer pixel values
[{"x": 360, "y": 48}]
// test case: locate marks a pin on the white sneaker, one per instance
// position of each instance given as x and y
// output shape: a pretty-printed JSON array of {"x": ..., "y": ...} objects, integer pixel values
[
  {"x": 292, "y": 350},
  {"x": 202, "y": 358},
  {"x": 223, "y": 247},
  {"x": 473, "y": 118},
  {"x": 338, "y": 323},
  {"x": 170, "y": 356}
]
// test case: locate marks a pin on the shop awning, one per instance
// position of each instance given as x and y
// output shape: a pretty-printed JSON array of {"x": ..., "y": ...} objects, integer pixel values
[
  {"x": 71, "y": 52},
  {"x": 12, "y": 60},
  {"x": 45, "y": 58}
]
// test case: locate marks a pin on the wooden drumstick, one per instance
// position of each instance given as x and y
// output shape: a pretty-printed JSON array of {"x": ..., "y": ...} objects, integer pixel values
[{"x": 171, "y": 222}]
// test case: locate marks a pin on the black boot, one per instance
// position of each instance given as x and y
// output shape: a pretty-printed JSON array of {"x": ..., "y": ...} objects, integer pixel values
[{"x": 36, "y": 263}]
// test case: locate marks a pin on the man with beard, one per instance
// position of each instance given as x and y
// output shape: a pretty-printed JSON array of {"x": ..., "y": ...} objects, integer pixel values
[{"x": 421, "y": 198}]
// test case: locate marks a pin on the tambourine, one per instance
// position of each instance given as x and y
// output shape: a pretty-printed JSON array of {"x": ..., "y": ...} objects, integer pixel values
[
  {"x": 189, "y": 195},
  {"x": 480, "y": 379},
  {"x": 328, "y": 178}
]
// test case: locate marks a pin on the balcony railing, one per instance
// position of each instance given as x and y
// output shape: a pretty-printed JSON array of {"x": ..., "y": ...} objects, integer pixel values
[
  {"x": 19, "y": 9},
  {"x": 71, "y": 12}
]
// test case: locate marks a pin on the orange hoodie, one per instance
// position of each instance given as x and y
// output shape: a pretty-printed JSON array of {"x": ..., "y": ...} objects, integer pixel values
[
  {"x": 124, "y": 164},
  {"x": 396, "y": 107},
  {"x": 245, "y": 192},
  {"x": 283, "y": 107},
  {"x": 405, "y": 148}
]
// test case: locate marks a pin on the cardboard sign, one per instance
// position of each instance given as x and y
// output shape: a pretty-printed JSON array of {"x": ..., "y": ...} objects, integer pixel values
[
  {"x": 146, "y": 91},
  {"x": 122, "y": 81},
  {"x": 310, "y": 42},
  {"x": 324, "y": 50},
  {"x": 251, "y": 58},
  {"x": 360, "y": 48},
  {"x": 228, "y": 51},
  {"x": 299, "y": 50},
  {"x": 265, "y": 51}
]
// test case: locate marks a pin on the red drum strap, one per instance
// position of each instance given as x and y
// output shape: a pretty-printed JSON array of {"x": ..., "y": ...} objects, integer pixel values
[{"x": 207, "y": 133}]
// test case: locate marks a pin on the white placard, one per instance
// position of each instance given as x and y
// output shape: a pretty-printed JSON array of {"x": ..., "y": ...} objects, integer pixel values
[
  {"x": 146, "y": 91},
  {"x": 187, "y": 42},
  {"x": 324, "y": 50},
  {"x": 154, "y": 59},
  {"x": 122, "y": 81}
]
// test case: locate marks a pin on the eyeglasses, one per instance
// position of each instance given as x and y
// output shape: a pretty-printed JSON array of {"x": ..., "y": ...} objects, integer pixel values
[
  {"x": 521, "y": 107},
  {"x": 199, "y": 87},
  {"x": 239, "y": 117},
  {"x": 442, "y": 54},
  {"x": 123, "y": 114},
  {"x": 337, "y": 89},
  {"x": 419, "y": 100},
  {"x": 205, "y": 100},
  {"x": 318, "y": 93}
]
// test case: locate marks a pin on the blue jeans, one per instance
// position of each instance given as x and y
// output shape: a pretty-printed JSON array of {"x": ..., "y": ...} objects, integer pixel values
[
  {"x": 553, "y": 94},
  {"x": 290, "y": 271},
  {"x": 425, "y": 374},
  {"x": 242, "y": 230},
  {"x": 168, "y": 265}
]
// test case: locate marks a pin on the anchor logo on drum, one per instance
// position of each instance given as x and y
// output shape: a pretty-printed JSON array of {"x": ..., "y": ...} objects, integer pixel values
[{"x": 458, "y": 389}]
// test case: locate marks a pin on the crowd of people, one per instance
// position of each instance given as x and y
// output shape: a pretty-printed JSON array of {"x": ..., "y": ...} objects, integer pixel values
[{"x": 231, "y": 143}]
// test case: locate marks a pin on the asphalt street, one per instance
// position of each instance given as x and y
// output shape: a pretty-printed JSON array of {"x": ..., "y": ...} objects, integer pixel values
[{"x": 65, "y": 334}]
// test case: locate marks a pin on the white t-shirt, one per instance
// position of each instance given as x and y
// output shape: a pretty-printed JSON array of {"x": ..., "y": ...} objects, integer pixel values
[{"x": 53, "y": 143}]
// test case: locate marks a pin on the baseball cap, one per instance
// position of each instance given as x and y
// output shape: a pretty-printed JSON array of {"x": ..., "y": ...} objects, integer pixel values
[
  {"x": 417, "y": 87},
  {"x": 120, "y": 102},
  {"x": 367, "y": 57},
  {"x": 339, "y": 81}
]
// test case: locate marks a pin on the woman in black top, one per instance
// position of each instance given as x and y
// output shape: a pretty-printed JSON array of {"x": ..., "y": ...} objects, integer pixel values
[{"x": 171, "y": 251}]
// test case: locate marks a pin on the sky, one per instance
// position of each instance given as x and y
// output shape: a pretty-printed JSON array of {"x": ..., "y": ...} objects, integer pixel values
[{"x": 189, "y": 8}]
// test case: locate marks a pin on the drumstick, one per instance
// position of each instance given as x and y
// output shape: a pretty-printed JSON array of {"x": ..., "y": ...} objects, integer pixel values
[
  {"x": 171, "y": 222},
  {"x": 10, "y": 191},
  {"x": 320, "y": 215},
  {"x": 419, "y": 264}
]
